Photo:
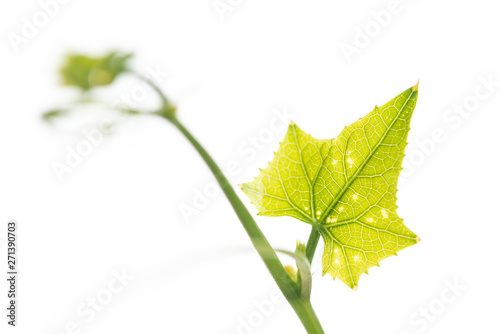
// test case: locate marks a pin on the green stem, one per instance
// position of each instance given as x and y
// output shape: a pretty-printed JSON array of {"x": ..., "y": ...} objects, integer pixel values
[
  {"x": 287, "y": 286},
  {"x": 308, "y": 317},
  {"x": 258, "y": 239},
  {"x": 312, "y": 243}
]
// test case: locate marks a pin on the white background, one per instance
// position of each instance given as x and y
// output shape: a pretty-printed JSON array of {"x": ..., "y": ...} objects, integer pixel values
[{"x": 119, "y": 209}]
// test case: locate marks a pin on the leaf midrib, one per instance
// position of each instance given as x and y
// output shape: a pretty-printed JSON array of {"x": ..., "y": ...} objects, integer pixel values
[{"x": 360, "y": 168}]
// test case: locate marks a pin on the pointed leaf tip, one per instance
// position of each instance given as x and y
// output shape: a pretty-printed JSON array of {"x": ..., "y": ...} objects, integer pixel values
[
  {"x": 240, "y": 185},
  {"x": 292, "y": 123},
  {"x": 418, "y": 239},
  {"x": 355, "y": 288},
  {"x": 415, "y": 88}
]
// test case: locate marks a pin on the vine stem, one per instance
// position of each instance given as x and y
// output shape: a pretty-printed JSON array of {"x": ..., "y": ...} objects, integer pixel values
[
  {"x": 288, "y": 287},
  {"x": 312, "y": 243}
]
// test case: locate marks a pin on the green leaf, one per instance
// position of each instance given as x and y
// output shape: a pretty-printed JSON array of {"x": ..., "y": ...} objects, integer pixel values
[
  {"x": 49, "y": 116},
  {"x": 344, "y": 186},
  {"x": 87, "y": 72}
]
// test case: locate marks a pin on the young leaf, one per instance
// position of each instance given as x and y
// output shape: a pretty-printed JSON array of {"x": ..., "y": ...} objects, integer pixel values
[
  {"x": 87, "y": 72},
  {"x": 346, "y": 187}
]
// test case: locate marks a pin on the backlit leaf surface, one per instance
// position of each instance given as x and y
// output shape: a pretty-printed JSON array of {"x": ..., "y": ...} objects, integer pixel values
[{"x": 346, "y": 186}]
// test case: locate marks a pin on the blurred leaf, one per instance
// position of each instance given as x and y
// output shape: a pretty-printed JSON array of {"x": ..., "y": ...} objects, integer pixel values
[
  {"x": 49, "y": 116},
  {"x": 87, "y": 72}
]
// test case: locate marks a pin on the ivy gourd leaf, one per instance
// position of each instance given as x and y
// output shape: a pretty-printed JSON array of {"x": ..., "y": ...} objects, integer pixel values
[{"x": 346, "y": 187}]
